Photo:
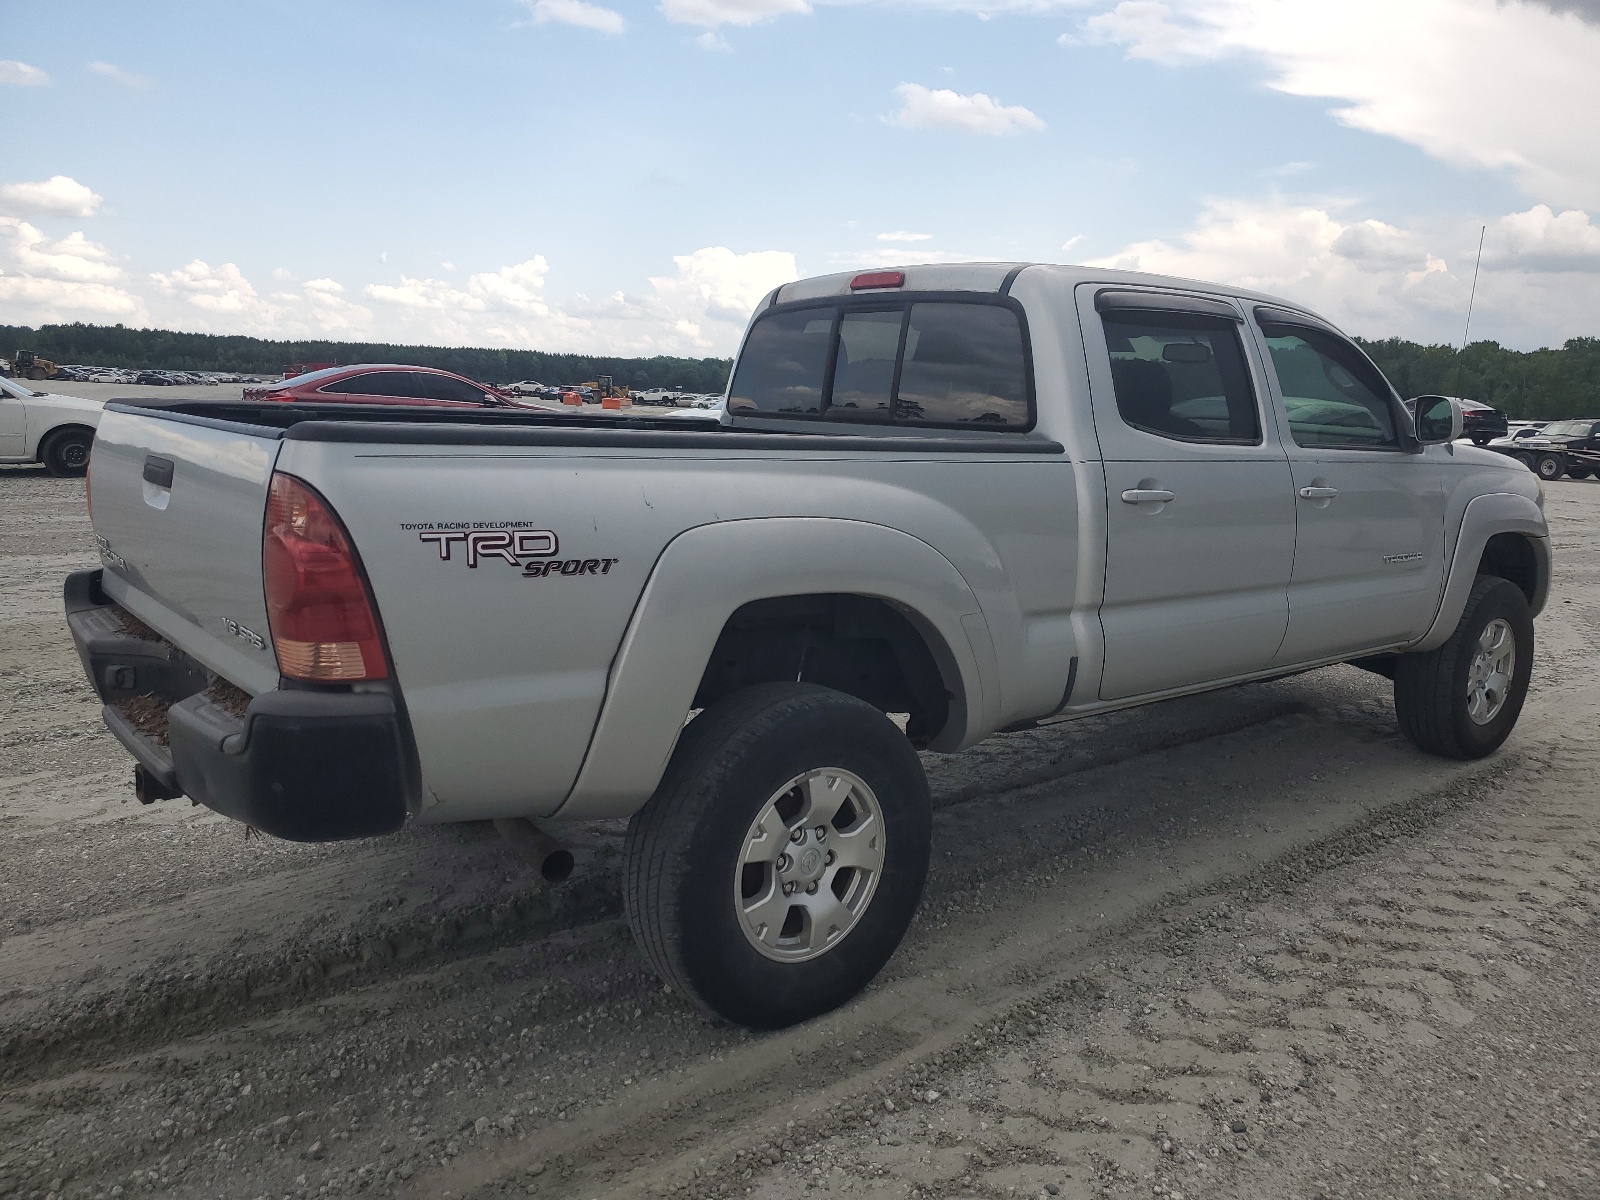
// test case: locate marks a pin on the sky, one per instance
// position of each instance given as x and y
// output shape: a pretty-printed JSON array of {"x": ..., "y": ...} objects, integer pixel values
[{"x": 631, "y": 178}]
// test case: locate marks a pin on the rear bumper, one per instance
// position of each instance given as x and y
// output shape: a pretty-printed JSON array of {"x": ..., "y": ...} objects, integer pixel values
[{"x": 309, "y": 766}]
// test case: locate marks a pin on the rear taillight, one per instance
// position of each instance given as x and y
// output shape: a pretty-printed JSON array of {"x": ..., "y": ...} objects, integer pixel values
[{"x": 324, "y": 624}]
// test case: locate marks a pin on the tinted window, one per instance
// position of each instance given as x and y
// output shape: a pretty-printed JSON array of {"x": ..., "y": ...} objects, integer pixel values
[
  {"x": 1334, "y": 397},
  {"x": 443, "y": 387},
  {"x": 373, "y": 383},
  {"x": 1182, "y": 376},
  {"x": 784, "y": 362},
  {"x": 964, "y": 363},
  {"x": 863, "y": 373}
]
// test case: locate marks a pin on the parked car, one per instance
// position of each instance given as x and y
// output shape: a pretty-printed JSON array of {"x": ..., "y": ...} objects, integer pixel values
[
  {"x": 383, "y": 383},
  {"x": 1570, "y": 448},
  {"x": 524, "y": 387},
  {"x": 45, "y": 427},
  {"x": 978, "y": 497},
  {"x": 1480, "y": 422}
]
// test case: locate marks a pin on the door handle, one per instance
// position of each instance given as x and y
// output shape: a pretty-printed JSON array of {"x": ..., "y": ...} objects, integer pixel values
[
  {"x": 1318, "y": 493},
  {"x": 1147, "y": 496}
]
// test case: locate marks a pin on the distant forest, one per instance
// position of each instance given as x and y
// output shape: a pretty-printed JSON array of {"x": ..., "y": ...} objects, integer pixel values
[
  {"x": 162, "y": 349},
  {"x": 1533, "y": 384},
  {"x": 1536, "y": 385}
]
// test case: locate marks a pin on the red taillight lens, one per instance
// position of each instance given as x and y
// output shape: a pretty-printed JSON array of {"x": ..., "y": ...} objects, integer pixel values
[
  {"x": 324, "y": 624},
  {"x": 878, "y": 279}
]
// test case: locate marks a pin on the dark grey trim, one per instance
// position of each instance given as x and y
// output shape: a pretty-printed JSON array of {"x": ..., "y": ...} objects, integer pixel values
[
  {"x": 1267, "y": 314},
  {"x": 1011, "y": 277},
  {"x": 145, "y": 409},
  {"x": 1110, "y": 299},
  {"x": 378, "y": 433},
  {"x": 1066, "y": 694}
]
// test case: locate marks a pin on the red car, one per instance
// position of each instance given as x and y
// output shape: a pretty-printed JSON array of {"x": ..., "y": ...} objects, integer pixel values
[{"x": 384, "y": 383}]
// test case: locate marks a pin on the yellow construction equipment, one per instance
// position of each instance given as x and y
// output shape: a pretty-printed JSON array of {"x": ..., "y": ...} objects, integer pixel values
[{"x": 25, "y": 364}]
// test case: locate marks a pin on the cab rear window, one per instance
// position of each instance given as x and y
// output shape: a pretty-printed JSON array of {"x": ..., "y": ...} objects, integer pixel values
[{"x": 928, "y": 362}]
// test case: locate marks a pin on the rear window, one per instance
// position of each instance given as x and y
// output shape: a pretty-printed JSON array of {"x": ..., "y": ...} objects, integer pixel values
[{"x": 922, "y": 362}]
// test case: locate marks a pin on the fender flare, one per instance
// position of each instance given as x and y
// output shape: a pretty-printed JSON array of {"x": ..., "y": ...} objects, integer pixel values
[
  {"x": 1484, "y": 517},
  {"x": 708, "y": 572}
]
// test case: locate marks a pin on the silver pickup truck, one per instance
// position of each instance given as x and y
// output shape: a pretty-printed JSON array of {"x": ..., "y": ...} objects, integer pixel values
[{"x": 942, "y": 502}]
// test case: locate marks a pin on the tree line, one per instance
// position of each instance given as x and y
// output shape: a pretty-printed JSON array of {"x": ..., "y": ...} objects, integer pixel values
[
  {"x": 1535, "y": 385},
  {"x": 167, "y": 350},
  {"x": 1545, "y": 384}
]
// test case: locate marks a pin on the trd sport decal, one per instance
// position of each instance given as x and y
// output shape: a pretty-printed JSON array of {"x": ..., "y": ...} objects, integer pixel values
[{"x": 510, "y": 542}]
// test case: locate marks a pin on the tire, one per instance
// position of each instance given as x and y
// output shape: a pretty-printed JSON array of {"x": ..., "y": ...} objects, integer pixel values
[
  {"x": 1433, "y": 692},
  {"x": 693, "y": 865},
  {"x": 66, "y": 452},
  {"x": 1525, "y": 459},
  {"x": 1479, "y": 439},
  {"x": 1549, "y": 466},
  {"x": 1579, "y": 472}
]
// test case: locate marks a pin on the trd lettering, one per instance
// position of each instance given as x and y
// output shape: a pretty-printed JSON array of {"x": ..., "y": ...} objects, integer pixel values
[{"x": 569, "y": 566}]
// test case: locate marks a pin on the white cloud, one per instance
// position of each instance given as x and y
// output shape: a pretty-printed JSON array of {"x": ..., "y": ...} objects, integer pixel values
[
  {"x": 901, "y": 235},
  {"x": 1072, "y": 241},
  {"x": 712, "y": 13},
  {"x": 128, "y": 79},
  {"x": 719, "y": 285},
  {"x": 20, "y": 74},
  {"x": 1478, "y": 83},
  {"x": 44, "y": 281},
  {"x": 1545, "y": 241},
  {"x": 897, "y": 256},
  {"x": 1540, "y": 282},
  {"x": 924, "y": 108},
  {"x": 713, "y": 41},
  {"x": 59, "y": 196},
  {"x": 221, "y": 300},
  {"x": 576, "y": 12}
]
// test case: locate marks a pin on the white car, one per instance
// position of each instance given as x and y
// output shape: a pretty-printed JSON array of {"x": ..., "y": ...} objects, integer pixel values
[
  {"x": 524, "y": 387},
  {"x": 46, "y": 428}
]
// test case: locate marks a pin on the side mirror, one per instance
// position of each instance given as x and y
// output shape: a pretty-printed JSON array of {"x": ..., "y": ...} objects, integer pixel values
[{"x": 1438, "y": 421}]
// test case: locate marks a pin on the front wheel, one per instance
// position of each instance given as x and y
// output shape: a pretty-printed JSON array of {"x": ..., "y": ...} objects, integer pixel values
[
  {"x": 1479, "y": 439},
  {"x": 1463, "y": 699},
  {"x": 776, "y": 868},
  {"x": 1549, "y": 466},
  {"x": 66, "y": 452}
]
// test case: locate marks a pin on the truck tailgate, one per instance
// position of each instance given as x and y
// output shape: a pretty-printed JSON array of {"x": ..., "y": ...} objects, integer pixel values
[{"x": 178, "y": 509}]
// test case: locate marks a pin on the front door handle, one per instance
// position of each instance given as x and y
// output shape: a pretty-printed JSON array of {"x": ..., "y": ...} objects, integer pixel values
[
  {"x": 1147, "y": 496},
  {"x": 1318, "y": 493}
]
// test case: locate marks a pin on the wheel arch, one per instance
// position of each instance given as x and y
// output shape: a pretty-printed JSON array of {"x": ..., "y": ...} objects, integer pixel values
[
  {"x": 1501, "y": 534},
  {"x": 776, "y": 572}
]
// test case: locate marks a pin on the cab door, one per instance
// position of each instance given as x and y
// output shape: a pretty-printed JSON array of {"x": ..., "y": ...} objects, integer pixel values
[
  {"x": 1200, "y": 508},
  {"x": 1369, "y": 509}
]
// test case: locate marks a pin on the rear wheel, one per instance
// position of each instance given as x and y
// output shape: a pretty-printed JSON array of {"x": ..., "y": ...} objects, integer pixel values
[
  {"x": 66, "y": 452},
  {"x": 1525, "y": 459},
  {"x": 1463, "y": 699},
  {"x": 779, "y": 863},
  {"x": 1576, "y": 472},
  {"x": 1549, "y": 466}
]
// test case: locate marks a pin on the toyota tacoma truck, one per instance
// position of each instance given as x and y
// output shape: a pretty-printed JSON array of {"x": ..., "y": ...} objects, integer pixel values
[{"x": 941, "y": 502}]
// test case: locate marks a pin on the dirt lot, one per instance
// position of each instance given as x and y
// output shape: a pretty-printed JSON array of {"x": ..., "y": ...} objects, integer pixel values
[{"x": 1245, "y": 945}]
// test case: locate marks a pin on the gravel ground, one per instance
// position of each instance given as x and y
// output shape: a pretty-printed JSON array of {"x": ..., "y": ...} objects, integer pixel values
[{"x": 1249, "y": 944}]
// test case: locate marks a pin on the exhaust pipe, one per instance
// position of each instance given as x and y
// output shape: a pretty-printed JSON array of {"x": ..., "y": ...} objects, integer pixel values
[{"x": 552, "y": 858}]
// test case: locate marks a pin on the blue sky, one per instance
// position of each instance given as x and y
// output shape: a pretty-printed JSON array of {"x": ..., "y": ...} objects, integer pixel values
[{"x": 566, "y": 174}]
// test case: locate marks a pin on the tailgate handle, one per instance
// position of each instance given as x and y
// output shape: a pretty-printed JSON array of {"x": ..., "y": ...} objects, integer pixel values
[{"x": 158, "y": 470}]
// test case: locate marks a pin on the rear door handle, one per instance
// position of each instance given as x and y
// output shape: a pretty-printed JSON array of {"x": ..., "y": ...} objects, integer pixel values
[
  {"x": 1318, "y": 493},
  {"x": 1147, "y": 496}
]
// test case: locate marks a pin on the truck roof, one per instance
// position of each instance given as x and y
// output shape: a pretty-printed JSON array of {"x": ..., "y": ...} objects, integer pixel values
[{"x": 998, "y": 277}]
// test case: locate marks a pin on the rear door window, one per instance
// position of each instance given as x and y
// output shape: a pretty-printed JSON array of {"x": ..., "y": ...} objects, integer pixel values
[
  {"x": 1181, "y": 376},
  {"x": 784, "y": 364},
  {"x": 443, "y": 387},
  {"x": 921, "y": 362}
]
